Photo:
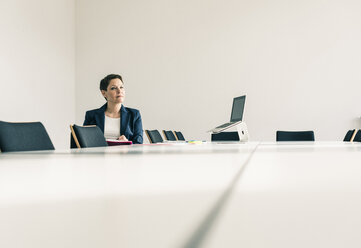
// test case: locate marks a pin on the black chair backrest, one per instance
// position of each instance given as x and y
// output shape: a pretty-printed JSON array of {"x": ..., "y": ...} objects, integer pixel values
[
  {"x": 72, "y": 141},
  {"x": 154, "y": 136},
  {"x": 169, "y": 135},
  {"x": 349, "y": 135},
  {"x": 358, "y": 136},
  {"x": 179, "y": 135},
  {"x": 24, "y": 136},
  {"x": 295, "y": 136},
  {"x": 225, "y": 136},
  {"x": 88, "y": 136}
]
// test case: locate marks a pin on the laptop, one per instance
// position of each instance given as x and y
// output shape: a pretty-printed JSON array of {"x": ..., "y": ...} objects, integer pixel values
[{"x": 236, "y": 115}]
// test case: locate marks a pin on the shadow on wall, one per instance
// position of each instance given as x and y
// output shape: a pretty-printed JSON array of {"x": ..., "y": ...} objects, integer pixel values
[{"x": 356, "y": 123}]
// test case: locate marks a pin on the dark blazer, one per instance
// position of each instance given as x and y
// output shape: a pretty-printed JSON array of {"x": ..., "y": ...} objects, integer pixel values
[{"x": 130, "y": 126}]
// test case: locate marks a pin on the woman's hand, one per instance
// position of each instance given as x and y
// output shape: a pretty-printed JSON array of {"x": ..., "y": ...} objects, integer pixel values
[{"x": 122, "y": 138}]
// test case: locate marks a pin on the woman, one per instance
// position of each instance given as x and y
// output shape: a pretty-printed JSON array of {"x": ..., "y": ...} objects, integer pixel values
[{"x": 115, "y": 120}]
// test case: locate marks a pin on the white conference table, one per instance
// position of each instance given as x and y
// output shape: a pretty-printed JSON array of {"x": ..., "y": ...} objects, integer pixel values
[{"x": 254, "y": 194}]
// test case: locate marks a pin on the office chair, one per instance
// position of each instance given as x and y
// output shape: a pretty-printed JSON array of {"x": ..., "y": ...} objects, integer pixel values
[
  {"x": 87, "y": 136},
  {"x": 295, "y": 136},
  {"x": 24, "y": 136},
  {"x": 179, "y": 135},
  {"x": 350, "y": 135},
  {"x": 357, "y": 136},
  {"x": 225, "y": 136},
  {"x": 169, "y": 135},
  {"x": 154, "y": 136}
]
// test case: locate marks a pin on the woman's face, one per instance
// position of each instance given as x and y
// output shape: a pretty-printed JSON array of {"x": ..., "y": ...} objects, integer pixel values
[{"x": 115, "y": 92}]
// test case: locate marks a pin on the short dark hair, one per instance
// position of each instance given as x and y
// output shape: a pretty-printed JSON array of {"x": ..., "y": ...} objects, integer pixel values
[{"x": 105, "y": 81}]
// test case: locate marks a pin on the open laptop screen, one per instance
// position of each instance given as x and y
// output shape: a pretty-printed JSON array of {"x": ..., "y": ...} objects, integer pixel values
[{"x": 237, "y": 108}]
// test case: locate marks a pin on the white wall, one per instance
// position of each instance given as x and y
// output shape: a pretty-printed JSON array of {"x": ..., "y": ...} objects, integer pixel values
[
  {"x": 37, "y": 64},
  {"x": 183, "y": 62}
]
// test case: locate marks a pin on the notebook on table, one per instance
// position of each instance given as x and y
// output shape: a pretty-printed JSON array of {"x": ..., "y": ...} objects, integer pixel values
[
  {"x": 114, "y": 142},
  {"x": 236, "y": 115}
]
